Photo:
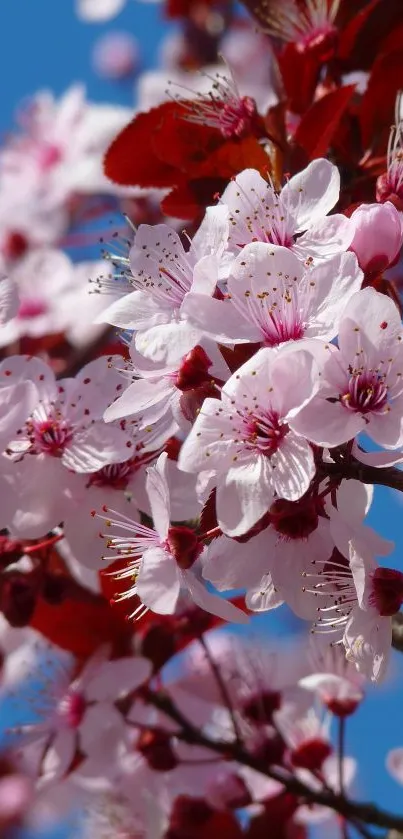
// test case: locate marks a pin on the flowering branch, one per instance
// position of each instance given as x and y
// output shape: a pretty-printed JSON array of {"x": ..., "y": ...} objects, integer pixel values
[{"x": 351, "y": 810}]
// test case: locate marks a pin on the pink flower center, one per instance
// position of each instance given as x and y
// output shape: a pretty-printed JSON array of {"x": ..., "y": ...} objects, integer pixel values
[
  {"x": 50, "y": 436},
  {"x": 367, "y": 393},
  {"x": 71, "y": 709},
  {"x": 387, "y": 591},
  {"x": 311, "y": 754},
  {"x": 260, "y": 706},
  {"x": 295, "y": 519},
  {"x": 193, "y": 371},
  {"x": 48, "y": 155},
  {"x": 264, "y": 432},
  {"x": 155, "y": 746},
  {"x": 32, "y": 307},
  {"x": 184, "y": 546},
  {"x": 236, "y": 117},
  {"x": 15, "y": 245}
]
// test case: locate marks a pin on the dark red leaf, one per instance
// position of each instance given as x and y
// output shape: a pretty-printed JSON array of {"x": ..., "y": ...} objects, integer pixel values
[
  {"x": 318, "y": 126},
  {"x": 131, "y": 158},
  {"x": 377, "y": 108}
]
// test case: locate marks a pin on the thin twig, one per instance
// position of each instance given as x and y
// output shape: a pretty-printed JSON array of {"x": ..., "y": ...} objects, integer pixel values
[
  {"x": 355, "y": 812},
  {"x": 227, "y": 701}
]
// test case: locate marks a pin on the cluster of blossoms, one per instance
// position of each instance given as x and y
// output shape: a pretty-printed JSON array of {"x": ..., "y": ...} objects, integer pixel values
[{"x": 192, "y": 427}]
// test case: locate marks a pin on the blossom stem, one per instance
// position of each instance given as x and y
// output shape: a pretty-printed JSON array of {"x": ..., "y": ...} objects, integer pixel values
[
  {"x": 222, "y": 688},
  {"x": 341, "y": 739}
]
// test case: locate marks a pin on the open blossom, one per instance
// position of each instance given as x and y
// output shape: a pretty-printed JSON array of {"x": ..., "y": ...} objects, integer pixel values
[
  {"x": 164, "y": 275},
  {"x": 247, "y": 439},
  {"x": 61, "y": 434},
  {"x": 295, "y": 537},
  {"x": 272, "y": 299},
  {"x": 368, "y": 633},
  {"x": 361, "y": 382},
  {"x": 164, "y": 399},
  {"x": 72, "y": 710},
  {"x": 334, "y": 679},
  {"x": 59, "y": 150},
  {"x": 52, "y": 297},
  {"x": 296, "y": 218},
  {"x": 311, "y": 26},
  {"x": 389, "y": 186},
  {"x": 161, "y": 562}
]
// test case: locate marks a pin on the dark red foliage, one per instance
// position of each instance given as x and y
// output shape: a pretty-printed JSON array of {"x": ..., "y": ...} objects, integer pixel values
[
  {"x": 193, "y": 818},
  {"x": 321, "y": 121},
  {"x": 162, "y": 148}
]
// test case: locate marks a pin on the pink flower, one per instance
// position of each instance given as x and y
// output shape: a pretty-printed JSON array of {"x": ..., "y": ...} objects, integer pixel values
[
  {"x": 61, "y": 434},
  {"x": 389, "y": 186},
  {"x": 272, "y": 299},
  {"x": 247, "y": 439},
  {"x": 164, "y": 274},
  {"x": 162, "y": 561},
  {"x": 368, "y": 633},
  {"x": 334, "y": 679},
  {"x": 59, "y": 151},
  {"x": 361, "y": 382},
  {"x": 116, "y": 55},
  {"x": 258, "y": 213},
  {"x": 73, "y": 712},
  {"x": 394, "y": 763},
  {"x": 54, "y": 296},
  {"x": 164, "y": 399},
  {"x": 310, "y": 26},
  {"x": 378, "y": 236}
]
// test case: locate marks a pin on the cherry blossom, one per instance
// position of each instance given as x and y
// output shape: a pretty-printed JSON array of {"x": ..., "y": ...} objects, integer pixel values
[
  {"x": 61, "y": 434},
  {"x": 378, "y": 236},
  {"x": 258, "y": 213},
  {"x": 389, "y": 186},
  {"x": 161, "y": 562},
  {"x": 73, "y": 709},
  {"x": 247, "y": 438},
  {"x": 308, "y": 27},
  {"x": 273, "y": 300},
  {"x": 51, "y": 290},
  {"x": 368, "y": 633},
  {"x": 168, "y": 398},
  {"x": 164, "y": 275},
  {"x": 394, "y": 763},
  {"x": 55, "y": 155},
  {"x": 361, "y": 382}
]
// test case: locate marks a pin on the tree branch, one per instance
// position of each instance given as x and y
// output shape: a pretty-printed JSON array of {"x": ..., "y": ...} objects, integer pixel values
[
  {"x": 355, "y": 812},
  {"x": 348, "y": 468}
]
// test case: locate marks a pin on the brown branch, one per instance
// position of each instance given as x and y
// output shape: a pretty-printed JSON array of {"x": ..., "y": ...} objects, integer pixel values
[
  {"x": 348, "y": 468},
  {"x": 355, "y": 812}
]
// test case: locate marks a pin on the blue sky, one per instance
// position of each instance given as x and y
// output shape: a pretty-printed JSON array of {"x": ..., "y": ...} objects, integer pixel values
[{"x": 45, "y": 46}]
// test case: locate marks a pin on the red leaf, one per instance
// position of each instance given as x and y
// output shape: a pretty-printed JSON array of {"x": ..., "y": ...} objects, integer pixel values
[
  {"x": 377, "y": 108},
  {"x": 131, "y": 158},
  {"x": 81, "y": 627},
  {"x": 318, "y": 126},
  {"x": 300, "y": 74}
]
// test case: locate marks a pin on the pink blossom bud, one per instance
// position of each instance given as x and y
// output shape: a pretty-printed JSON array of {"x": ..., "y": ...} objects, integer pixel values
[
  {"x": 116, "y": 55},
  {"x": 378, "y": 236}
]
